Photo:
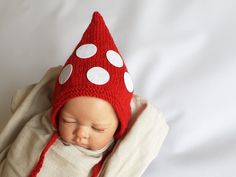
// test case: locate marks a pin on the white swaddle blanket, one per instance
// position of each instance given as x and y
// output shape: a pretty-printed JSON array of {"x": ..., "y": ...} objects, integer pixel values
[{"x": 29, "y": 130}]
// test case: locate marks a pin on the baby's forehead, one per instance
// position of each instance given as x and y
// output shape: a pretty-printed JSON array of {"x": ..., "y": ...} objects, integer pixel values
[
  {"x": 89, "y": 118},
  {"x": 90, "y": 108},
  {"x": 88, "y": 104}
]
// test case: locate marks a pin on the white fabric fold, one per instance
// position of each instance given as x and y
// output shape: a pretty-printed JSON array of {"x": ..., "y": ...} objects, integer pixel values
[{"x": 29, "y": 129}]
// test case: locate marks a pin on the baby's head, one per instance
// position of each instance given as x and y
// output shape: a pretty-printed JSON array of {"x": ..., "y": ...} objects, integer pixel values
[
  {"x": 89, "y": 122},
  {"x": 92, "y": 94}
]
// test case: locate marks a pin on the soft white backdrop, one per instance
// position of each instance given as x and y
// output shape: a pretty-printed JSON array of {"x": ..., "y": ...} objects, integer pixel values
[{"x": 181, "y": 55}]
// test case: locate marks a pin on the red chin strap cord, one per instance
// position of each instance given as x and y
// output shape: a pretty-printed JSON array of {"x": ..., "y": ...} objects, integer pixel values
[
  {"x": 38, "y": 166},
  {"x": 95, "y": 171}
]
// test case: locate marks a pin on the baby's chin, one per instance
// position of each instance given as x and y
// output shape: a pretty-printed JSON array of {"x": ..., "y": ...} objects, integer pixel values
[
  {"x": 66, "y": 143},
  {"x": 88, "y": 147},
  {"x": 83, "y": 146}
]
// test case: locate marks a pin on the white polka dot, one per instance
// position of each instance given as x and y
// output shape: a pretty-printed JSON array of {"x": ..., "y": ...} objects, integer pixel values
[
  {"x": 128, "y": 82},
  {"x": 98, "y": 75},
  {"x": 86, "y": 51},
  {"x": 65, "y": 74},
  {"x": 114, "y": 58}
]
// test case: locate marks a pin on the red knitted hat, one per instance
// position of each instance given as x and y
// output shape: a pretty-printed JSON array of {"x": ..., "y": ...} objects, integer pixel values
[{"x": 95, "y": 69}]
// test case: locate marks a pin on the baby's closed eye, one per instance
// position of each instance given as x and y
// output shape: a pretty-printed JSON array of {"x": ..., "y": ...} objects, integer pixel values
[
  {"x": 98, "y": 129},
  {"x": 68, "y": 120}
]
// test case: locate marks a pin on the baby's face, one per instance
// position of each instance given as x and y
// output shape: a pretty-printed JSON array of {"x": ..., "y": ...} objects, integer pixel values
[{"x": 88, "y": 122}]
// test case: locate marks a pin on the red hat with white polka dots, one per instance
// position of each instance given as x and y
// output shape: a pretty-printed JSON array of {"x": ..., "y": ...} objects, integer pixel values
[{"x": 94, "y": 69}]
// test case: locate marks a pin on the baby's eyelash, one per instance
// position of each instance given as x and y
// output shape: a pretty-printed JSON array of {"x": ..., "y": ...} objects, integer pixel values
[{"x": 98, "y": 129}]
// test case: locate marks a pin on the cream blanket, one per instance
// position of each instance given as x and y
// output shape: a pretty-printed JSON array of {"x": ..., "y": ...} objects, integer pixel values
[{"x": 29, "y": 129}]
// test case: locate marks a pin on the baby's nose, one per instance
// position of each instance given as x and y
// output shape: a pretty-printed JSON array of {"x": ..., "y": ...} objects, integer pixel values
[{"x": 82, "y": 132}]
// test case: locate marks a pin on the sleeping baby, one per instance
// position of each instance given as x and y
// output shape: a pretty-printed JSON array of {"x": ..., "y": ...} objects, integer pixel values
[{"x": 82, "y": 119}]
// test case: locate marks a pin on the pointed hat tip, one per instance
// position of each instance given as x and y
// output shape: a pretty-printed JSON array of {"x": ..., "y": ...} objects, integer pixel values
[{"x": 97, "y": 16}]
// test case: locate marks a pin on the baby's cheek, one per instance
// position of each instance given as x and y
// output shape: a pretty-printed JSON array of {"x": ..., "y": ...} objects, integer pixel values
[
  {"x": 101, "y": 140},
  {"x": 65, "y": 132}
]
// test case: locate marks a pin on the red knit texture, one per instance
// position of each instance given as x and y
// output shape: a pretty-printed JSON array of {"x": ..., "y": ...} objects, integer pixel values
[
  {"x": 74, "y": 80},
  {"x": 114, "y": 91}
]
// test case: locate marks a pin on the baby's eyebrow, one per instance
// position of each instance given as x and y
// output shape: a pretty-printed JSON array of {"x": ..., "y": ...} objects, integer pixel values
[{"x": 66, "y": 114}]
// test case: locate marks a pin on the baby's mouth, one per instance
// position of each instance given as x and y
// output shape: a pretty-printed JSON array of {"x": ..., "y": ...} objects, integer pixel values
[
  {"x": 82, "y": 145},
  {"x": 78, "y": 143}
]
